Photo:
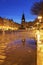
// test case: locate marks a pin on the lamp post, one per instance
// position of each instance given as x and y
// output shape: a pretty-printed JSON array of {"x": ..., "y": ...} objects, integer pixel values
[
  {"x": 39, "y": 18},
  {"x": 38, "y": 29},
  {"x": 39, "y": 46}
]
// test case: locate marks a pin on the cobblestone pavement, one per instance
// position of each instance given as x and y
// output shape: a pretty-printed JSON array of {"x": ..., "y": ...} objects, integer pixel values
[{"x": 18, "y": 52}]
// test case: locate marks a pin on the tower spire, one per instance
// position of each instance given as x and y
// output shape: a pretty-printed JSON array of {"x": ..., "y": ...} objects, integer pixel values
[
  {"x": 23, "y": 21},
  {"x": 23, "y": 18}
]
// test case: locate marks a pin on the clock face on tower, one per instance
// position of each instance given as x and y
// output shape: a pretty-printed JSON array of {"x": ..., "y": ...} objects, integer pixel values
[{"x": 23, "y": 20}]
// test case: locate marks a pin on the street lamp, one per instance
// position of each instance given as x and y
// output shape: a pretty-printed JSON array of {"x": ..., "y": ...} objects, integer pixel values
[
  {"x": 39, "y": 18},
  {"x": 39, "y": 46},
  {"x": 38, "y": 29}
]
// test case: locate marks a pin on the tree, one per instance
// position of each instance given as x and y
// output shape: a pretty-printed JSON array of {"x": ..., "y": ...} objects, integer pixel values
[{"x": 37, "y": 8}]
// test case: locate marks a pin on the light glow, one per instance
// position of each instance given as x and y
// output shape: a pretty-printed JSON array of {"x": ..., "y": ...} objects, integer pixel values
[
  {"x": 8, "y": 27},
  {"x": 39, "y": 49},
  {"x": 39, "y": 17},
  {"x": 38, "y": 36}
]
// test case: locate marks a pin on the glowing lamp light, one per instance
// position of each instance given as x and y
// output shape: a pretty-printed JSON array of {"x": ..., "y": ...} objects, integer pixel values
[
  {"x": 39, "y": 45},
  {"x": 38, "y": 36},
  {"x": 39, "y": 17}
]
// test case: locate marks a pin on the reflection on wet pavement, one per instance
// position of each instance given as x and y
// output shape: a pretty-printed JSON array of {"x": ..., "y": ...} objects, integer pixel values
[{"x": 18, "y": 52}]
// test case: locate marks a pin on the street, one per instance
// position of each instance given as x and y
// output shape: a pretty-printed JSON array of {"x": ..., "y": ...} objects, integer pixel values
[{"x": 17, "y": 52}]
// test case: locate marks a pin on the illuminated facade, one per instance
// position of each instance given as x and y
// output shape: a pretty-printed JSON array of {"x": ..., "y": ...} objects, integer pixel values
[
  {"x": 36, "y": 23},
  {"x": 7, "y": 24}
]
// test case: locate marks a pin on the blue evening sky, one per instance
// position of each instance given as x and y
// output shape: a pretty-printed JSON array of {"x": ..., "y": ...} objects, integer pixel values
[{"x": 13, "y": 9}]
